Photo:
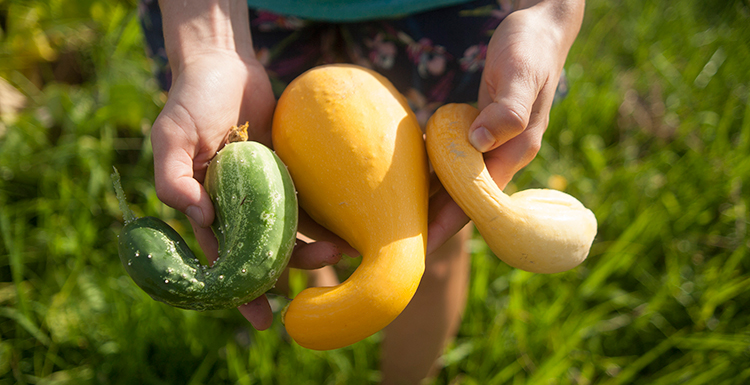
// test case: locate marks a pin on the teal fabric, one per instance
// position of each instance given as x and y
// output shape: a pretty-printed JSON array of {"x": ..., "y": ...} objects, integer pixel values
[{"x": 348, "y": 10}]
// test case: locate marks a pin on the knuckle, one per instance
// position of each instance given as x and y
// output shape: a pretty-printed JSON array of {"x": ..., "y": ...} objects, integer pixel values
[
  {"x": 530, "y": 153},
  {"x": 533, "y": 148},
  {"x": 162, "y": 191},
  {"x": 513, "y": 120},
  {"x": 165, "y": 192}
]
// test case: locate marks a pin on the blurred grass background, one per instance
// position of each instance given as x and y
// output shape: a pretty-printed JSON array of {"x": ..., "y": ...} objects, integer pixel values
[{"x": 654, "y": 136}]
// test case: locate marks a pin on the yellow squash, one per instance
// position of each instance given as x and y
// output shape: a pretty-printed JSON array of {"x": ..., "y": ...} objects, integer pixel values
[
  {"x": 537, "y": 230},
  {"x": 356, "y": 154}
]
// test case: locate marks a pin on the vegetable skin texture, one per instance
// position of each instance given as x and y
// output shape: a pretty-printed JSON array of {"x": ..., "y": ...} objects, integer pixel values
[
  {"x": 255, "y": 225},
  {"x": 537, "y": 230},
  {"x": 356, "y": 153}
]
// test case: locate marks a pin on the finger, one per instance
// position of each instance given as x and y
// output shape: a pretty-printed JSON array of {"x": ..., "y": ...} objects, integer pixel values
[
  {"x": 506, "y": 160},
  {"x": 435, "y": 184},
  {"x": 314, "y": 230},
  {"x": 206, "y": 240},
  {"x": 258, "y": 313},
  {"x": 258, "y": 105},
  {"x": 445, "y": 219},
  {"x": 175, "y": 181},
  {"x": 314, "y": 255},
  {"x": 506, "y": 107}
]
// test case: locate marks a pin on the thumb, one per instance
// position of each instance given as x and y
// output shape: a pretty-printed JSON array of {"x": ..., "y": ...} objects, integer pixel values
[
  {"x": 174, "y": 173},
  {"x": 505, "y": 113}
]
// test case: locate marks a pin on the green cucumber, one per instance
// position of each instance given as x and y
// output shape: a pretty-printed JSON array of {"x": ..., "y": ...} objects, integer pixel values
[{"x": 255, "y": 224}]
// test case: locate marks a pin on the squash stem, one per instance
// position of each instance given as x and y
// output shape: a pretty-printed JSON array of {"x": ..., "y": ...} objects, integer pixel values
[{"x": 127, "y": 214}]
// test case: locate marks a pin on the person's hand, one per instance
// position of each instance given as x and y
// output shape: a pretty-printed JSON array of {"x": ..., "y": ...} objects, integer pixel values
[
  {"x": 216, "y": 83},
  {"x": 525, "y": 58},
  {"x": 206, "y": 99},
  {"x": 208, "y": 96}
]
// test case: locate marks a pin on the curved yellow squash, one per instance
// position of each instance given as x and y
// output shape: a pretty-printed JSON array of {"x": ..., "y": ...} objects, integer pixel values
[
  {"x": 537, "y": 230},
  {"x": 357, "y": 157}
]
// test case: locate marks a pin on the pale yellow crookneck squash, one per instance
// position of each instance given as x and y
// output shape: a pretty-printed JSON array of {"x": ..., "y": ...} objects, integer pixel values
[
  {"x": 537, "y": 230},
  {"x": 357, "y": 157}
]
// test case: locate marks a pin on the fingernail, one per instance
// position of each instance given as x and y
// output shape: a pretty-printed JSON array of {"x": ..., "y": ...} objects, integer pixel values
[
  {"x": 481, "y": 139},
  {"x": 195, "y": 213}
]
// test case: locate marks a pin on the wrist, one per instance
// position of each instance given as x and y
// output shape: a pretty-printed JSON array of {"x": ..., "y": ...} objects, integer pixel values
[
  {"x": 563, "y": 18},
  {"x": 196, "y": 27}
]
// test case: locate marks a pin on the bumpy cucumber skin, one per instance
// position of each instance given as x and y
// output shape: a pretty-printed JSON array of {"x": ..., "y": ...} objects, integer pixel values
[{"x": 255, "y": 224}]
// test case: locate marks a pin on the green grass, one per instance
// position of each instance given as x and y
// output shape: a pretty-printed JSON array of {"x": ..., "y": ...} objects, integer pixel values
[{"x": 654, "y": 136}]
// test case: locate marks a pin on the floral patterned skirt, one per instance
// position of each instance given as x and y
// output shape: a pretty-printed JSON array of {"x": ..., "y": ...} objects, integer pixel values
[{"x": 434, "y": 57}]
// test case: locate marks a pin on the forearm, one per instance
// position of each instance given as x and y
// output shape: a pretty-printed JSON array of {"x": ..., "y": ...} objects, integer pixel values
[{"x": 193, "y": 27}]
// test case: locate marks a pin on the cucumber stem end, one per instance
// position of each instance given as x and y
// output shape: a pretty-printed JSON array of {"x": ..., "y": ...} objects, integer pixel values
[{"x": 127, "y": 214}]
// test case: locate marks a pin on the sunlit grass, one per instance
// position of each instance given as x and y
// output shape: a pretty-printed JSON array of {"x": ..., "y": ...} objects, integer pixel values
[{"x": 653, "y": 136}]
